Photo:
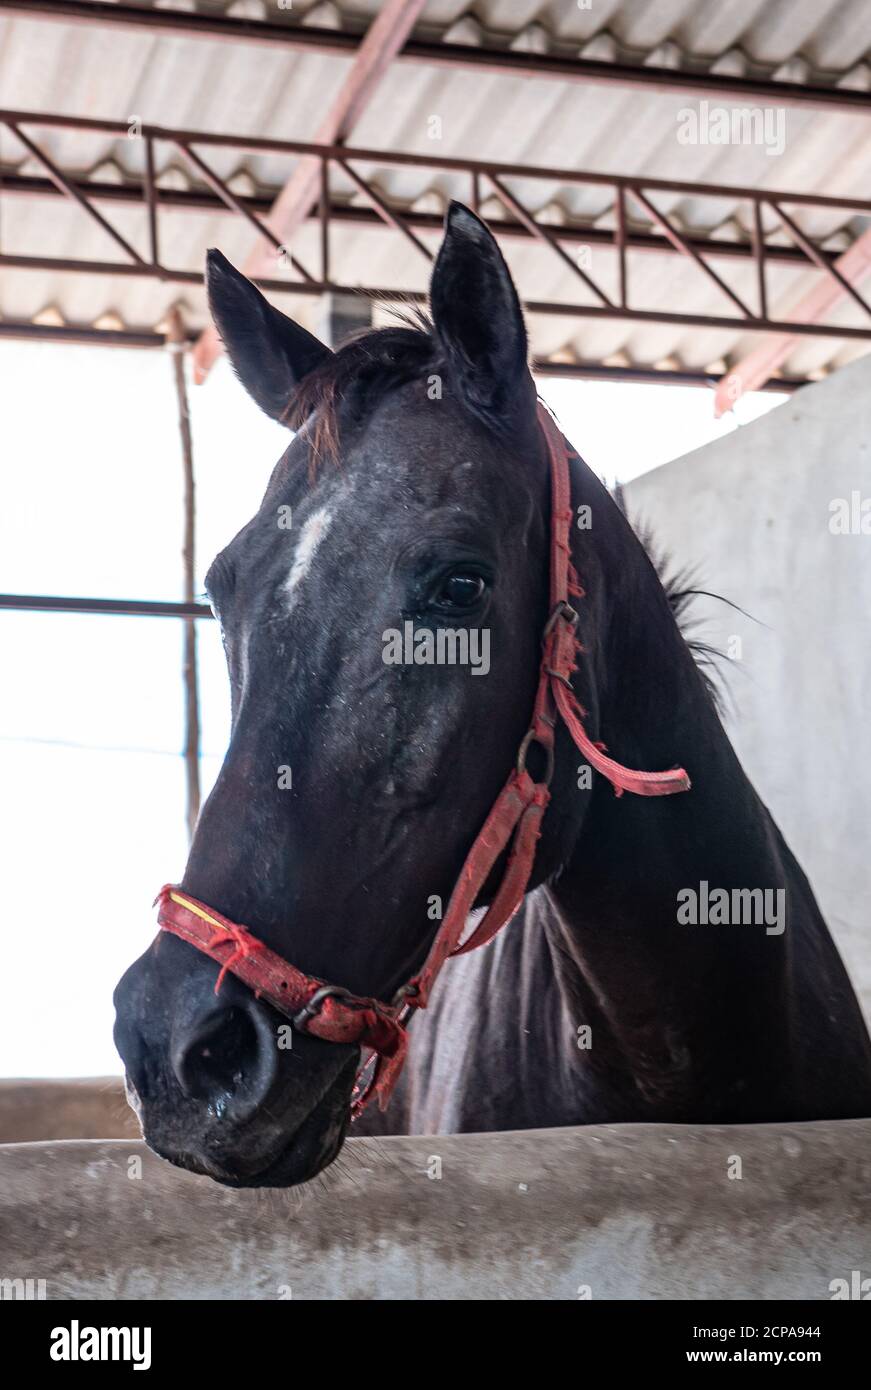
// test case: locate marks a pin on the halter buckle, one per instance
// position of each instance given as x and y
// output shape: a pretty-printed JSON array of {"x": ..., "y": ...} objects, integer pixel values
[
  {"x": 302, "y": 1019},
  {"x": 405, "y": 996},
  {"x": 547, "y": 744}
]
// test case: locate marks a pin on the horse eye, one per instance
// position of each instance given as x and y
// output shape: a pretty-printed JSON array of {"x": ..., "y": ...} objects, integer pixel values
[{"x": 460, "y": 590}]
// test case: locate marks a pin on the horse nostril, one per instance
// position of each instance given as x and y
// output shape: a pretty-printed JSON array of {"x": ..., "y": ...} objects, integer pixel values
[
  {"x": 226, "y": 1061},
  {"x": 222, "y": 1054}
]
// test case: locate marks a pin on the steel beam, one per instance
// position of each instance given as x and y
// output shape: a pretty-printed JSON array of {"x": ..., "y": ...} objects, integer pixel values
[
  {"x": 652, "y": 376},
  {"x": 619, "y": 186},
  {"x": 127, "y": 607},
  {"x": 393, "y": 296},
  {"x": 79, "y": 335},
  {"x": 541, "y": 366},
  {"x": 745, "y": 375},
  {"x": 134, "y": 193},
  {"x": 391, "y": 26},
  {"x": 402, "y": 159},
  {"x": 460, "y": 57}
]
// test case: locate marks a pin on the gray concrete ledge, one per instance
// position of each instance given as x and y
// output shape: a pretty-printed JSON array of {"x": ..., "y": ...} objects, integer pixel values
[
  {"x": 629, "y": 1211},
  {"x": 86, "y": 1108}
]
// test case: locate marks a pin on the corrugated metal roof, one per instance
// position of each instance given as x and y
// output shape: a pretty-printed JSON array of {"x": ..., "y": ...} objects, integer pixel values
[{"x": 248, "y": 89}]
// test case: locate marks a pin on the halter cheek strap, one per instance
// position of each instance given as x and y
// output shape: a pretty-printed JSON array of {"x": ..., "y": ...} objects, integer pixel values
[{"x": 332, "y": 1013}]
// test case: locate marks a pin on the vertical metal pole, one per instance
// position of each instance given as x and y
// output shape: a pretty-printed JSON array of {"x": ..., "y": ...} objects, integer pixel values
[
  {"x": 176, "y": 344},
  {"x": 621, "y": 244},
  {"x": 324, "y": 211},
  {"x": 759, "y": 253},
  {"x": 151, "y": 202}
]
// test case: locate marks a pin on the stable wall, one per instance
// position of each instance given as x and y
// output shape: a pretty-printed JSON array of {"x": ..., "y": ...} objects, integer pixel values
[
  {"x": 79, "y": 1108},
  {"x": 632, "y": 1211},
  {"x": 749, "y": 515}
]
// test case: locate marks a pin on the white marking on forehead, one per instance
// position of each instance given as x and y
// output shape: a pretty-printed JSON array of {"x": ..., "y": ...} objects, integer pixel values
[{"x": 313, "y": 532}]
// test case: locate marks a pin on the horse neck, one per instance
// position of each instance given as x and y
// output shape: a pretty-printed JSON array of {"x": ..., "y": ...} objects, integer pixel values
[{"x": 664, "y": 1000}]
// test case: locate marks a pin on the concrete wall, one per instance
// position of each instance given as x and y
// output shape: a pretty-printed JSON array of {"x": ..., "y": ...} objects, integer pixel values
[
  {"x": 750, "y": 515},
  {"x": 86, "y": 1108},
  {"x": 632, "y": 1211}
]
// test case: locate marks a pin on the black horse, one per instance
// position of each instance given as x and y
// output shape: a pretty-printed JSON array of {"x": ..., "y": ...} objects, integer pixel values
[{"x": 352, "y": 787}]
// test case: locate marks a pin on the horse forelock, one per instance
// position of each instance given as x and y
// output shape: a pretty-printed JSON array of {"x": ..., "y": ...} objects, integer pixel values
[{"x": 356, "y": 377}]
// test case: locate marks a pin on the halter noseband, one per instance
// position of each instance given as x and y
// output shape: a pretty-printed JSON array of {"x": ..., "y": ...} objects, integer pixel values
[{"x": 334, "y": 1014}]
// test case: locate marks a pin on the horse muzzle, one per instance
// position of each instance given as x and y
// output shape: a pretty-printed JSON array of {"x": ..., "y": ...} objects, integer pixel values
[{"x": 222, "y": 1086}]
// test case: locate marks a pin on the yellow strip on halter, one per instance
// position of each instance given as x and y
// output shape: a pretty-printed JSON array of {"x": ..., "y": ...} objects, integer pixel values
[{"x": 197, "y": 910}]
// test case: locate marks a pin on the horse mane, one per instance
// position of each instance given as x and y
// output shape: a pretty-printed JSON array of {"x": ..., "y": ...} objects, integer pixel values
[
  {"x": 680, "y": 586},
  {"x": 681, "y": 594}
]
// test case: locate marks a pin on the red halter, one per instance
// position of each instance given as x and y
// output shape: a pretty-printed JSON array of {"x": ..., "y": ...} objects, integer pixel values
[{"x": 334, "y": 1014}]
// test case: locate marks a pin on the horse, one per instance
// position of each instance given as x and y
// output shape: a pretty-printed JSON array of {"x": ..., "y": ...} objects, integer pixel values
[{"x": 415, "y": 490}]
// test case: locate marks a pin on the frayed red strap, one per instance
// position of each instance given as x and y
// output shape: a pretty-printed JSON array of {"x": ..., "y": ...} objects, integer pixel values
[
  {"x": 623, "y": 779},
  {"x": 561, "y": 644},
  {"x": 320, "y": 1009}
]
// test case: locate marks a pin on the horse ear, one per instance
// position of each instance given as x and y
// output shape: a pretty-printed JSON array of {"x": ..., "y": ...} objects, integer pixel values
[
  {"x": 478, "y": 318},
  {"x": 269, "y": 352}
]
